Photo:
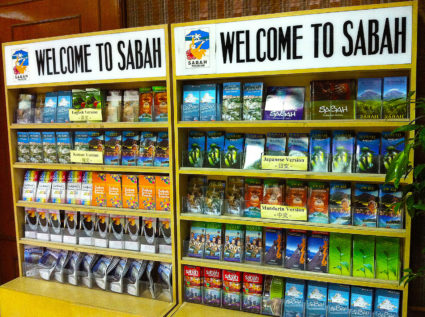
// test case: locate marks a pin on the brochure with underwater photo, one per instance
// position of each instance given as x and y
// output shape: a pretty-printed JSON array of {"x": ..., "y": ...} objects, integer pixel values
[
  {"x": 196, "y": 148},
  {"x": 367, "y": 153},
  {"x": 320, "y": 150},
  {"x": 342, "y": 151},
  {"x": 233, "y": 150},
  {"x": 215, "y": 146},
  {"x": 391, "y": 145}
]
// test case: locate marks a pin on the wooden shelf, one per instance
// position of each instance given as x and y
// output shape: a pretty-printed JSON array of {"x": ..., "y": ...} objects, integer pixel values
[
  {"x": 91, "y": 126},
  {"x": 94, "y": 167},
  {"x": 303, "y": 275},
  {"x": 96, "y": 209},
  {"x": 399, "y": 233},
  {"x": 299, "y": 72},
  {"x": 349, "y": 177},
  {"x": 29, "y": 297},
  {"x": 199, "y": 310},
  {"x": 85, "y": 83},
  {"x": 381, "y": 124},
  {"x": 95, "y": 250}
]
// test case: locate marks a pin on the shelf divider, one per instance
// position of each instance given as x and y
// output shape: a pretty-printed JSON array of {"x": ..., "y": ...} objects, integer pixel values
[
  {"x": 94, "y": 167},
  {"x": 303, "y": 275},
  {"x": 300, "y": 225},
  {"x": 96, "y": 250},
  {"x": 96, "y": 209}
]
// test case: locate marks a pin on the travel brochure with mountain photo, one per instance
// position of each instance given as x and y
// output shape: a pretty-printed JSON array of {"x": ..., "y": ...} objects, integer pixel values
[
  {"x": 365, "y": 205},
  {"x": 394, "y": 98},
  {"x": 369, "y": 98}
]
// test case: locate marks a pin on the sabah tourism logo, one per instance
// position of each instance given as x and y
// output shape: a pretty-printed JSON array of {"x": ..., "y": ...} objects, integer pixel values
[
  {"x": 21, "y": 63},
  {"x": 197, "y": 47}
]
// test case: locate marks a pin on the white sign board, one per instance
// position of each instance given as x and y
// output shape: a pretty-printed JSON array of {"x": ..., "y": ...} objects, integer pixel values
[
  {"x": 337, "y": 39},
  {"x": 136, "y": 54}
]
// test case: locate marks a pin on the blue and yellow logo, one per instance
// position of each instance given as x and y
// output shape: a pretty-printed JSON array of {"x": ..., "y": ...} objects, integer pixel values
[
  {"x": 197, "y": 43},
  {"x": 20, "y": 58}
]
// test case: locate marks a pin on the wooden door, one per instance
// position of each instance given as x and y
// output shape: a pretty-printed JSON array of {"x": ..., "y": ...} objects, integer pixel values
[{"x": 30, "y": 19}]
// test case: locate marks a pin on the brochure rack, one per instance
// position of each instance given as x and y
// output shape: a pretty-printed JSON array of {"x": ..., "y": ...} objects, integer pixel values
[
  {"x": 22, "y": 293},
  {"x": 218, "y": 71}
]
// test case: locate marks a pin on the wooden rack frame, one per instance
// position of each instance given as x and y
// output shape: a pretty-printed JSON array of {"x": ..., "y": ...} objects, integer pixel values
[
  {"x": 52, "y": 294},
  {"x": 297, "y": 77}
]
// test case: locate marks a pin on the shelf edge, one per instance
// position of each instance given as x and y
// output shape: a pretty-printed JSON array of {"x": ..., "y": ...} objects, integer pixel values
[
  {"x": 399, "y": 233},
  {"x": 104, "y": 251},
  {"x": 303, "y": 275},
  {"x": 96, "y": 209}
]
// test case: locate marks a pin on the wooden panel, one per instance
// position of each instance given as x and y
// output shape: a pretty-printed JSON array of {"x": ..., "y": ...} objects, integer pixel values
[
  {"x": 46, "y": 28},
  {"x": 28, "y": 19}
]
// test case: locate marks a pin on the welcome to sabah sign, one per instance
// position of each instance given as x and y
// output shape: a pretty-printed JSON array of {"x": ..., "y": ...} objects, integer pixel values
[
  {"x": 338, "y": 39},
  {"x": 135, "y": 54}
]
